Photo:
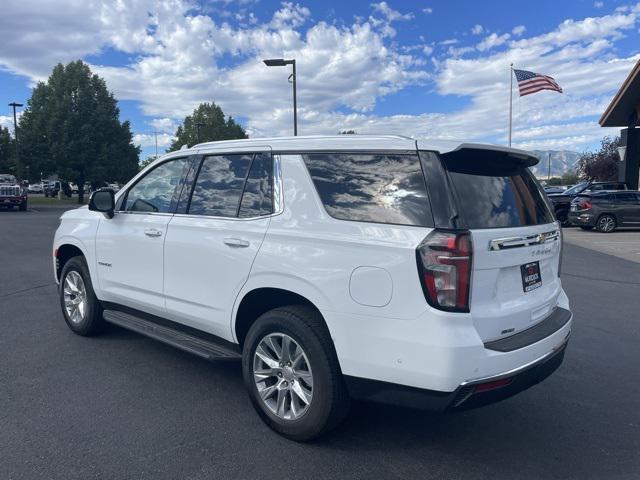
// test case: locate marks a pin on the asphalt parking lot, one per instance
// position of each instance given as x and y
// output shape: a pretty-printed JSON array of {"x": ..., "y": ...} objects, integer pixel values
[
  {"x": 623, "y": 243},
  {"x": 123, "y": 406}
]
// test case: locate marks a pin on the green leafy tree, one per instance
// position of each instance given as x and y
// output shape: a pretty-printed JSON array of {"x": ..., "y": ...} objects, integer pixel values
[
  {"x": 603, "y": 164},
  {"x": 147, "y": 161},
  {"x": 210, "y": 120},
  {"x": 71, "y": 127},
  {"x": 347, "y": 132},
  {"x": 7, "y": 164},
  {"x": 570, "y": 177},
  {"x": 554, "y": 181}
]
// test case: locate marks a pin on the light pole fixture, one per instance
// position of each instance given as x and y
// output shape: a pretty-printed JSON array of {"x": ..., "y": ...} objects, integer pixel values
[
  {"x": 281, "y": 62},
  {"x": 15, "y": 135}
]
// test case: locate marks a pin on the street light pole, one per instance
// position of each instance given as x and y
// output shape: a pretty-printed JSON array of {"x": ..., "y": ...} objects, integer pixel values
[
  {"x": 295, "y": 100},
  {"x": 281, "y": 62},
  {"x": 15, "y": 135}
]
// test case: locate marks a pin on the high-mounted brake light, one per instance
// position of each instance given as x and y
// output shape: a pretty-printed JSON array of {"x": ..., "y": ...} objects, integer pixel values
[{"x": 444, "y": 263}]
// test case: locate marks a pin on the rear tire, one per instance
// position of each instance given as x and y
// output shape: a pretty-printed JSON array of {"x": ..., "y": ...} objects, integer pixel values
[
  {"x": 313, "y": 371},
  {"x": 80, "y": 306},
  {"x": 606, "y": 223}
]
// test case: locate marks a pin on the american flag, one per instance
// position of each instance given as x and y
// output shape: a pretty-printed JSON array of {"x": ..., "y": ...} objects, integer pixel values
[{"x": 530, "y": 82}]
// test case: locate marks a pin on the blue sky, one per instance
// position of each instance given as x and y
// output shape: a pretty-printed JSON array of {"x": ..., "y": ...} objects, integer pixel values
[{"x": 421, "y": 68}]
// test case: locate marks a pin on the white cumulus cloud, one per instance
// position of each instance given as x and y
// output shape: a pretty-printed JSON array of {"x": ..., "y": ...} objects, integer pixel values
[
  {"x": 493, "y": 40},
  {"x": 177, "y": 54}
]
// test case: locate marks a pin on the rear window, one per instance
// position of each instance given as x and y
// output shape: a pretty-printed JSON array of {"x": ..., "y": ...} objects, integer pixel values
[
  {"x": 379, "y": 188},
  {"x": 495, "y": 191}
]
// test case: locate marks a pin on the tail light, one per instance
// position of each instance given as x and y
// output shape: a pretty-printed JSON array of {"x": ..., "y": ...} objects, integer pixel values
[
  {"x": 584, "y": 204},
  {"x": 444, "y": 263}
]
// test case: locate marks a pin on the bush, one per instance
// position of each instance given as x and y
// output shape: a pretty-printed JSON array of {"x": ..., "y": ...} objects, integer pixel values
[{"x": 603, "y": 164}]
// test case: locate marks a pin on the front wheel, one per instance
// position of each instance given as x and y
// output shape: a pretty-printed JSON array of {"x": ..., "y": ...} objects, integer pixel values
[
  {"x": 606, "y": 223},
  {"x": 23, "y": 206},
  {"x": 80, "y": 306},
  {"x": 563, "y": 217},
  {"x": 292, "y": 374}
]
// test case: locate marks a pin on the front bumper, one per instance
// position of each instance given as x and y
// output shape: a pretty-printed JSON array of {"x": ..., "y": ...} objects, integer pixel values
[
  {"x": 12, "y": 200},
  {"x": 470, "y": 394}
]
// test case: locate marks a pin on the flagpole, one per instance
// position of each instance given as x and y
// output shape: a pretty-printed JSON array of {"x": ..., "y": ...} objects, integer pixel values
[{"x": 510, "y": 101}]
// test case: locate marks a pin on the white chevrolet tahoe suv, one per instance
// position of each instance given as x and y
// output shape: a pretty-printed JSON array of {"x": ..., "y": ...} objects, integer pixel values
[{"x": 352, "y": 266}]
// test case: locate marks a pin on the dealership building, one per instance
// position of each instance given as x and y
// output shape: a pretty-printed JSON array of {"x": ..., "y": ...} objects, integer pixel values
[{"x": 624, "y": 111}]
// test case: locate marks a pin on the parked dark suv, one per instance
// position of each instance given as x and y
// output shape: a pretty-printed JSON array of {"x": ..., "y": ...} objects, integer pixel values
[
  {"x": 606, "y": 210},
  {"x": 562, "y": 201}
]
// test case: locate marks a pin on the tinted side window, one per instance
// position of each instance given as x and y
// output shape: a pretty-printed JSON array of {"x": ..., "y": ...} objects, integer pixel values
[
  {"x": 626, "y": 197},
  {"x": 257, "y": 197},
  {"x": 155, "y": 192},
  {"x": 219, "y": 185},
  {"x": 380, "y": 188}
]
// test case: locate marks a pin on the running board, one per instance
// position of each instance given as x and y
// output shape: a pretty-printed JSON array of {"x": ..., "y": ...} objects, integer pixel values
[{"x": 209, "y": 349}]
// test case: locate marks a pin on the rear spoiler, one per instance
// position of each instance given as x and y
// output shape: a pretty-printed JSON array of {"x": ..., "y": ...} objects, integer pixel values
[
  {"x": 493, "y": 153},
  {"x": 477, "y": 159}
]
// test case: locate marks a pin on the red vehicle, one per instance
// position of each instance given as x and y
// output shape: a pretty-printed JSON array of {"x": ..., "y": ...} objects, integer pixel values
[{"x": 12, "y": 194}]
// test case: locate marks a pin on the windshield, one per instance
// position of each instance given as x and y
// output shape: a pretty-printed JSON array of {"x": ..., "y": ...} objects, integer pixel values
[{"x": 576, "y": 188}]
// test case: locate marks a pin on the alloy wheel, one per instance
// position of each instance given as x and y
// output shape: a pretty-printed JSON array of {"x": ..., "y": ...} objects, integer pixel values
[
  {"x": 282, "y": 374},
  {"x": 606, "y": 224},
  {"x": 75, "y": 297}
]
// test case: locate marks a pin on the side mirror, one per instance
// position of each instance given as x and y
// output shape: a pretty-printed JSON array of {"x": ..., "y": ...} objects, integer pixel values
[{"x": 104, "y": 201}]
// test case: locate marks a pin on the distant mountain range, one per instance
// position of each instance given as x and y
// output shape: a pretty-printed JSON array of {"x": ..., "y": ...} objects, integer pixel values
[{"x": 561, "y": 161}]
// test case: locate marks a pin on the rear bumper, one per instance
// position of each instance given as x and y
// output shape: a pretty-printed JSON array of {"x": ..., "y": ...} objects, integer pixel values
[
  {"x": 582, "y": 218},
  {"x": 470, "y": 394}
]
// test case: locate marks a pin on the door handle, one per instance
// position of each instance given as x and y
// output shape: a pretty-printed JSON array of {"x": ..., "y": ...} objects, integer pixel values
[
  {"x": 152, "y": 232},
  {"x": 236, "y": 242}
]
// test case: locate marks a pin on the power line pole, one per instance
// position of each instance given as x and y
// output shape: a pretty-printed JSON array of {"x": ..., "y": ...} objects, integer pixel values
[
  {"x": 549, "y": 170},
  {"x": 15, "y": 135}
]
